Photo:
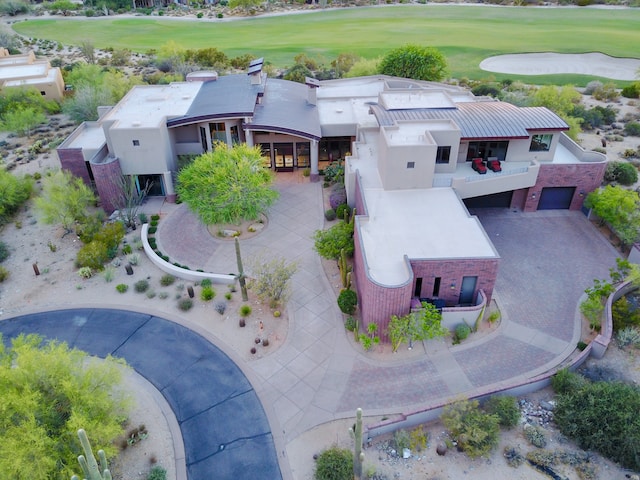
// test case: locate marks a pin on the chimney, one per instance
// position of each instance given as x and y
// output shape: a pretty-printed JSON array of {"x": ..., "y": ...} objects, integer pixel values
[{"x": 313, "y": 84}]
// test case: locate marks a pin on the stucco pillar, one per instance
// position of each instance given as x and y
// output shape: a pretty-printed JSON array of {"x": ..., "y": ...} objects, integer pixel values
[
  {"x": 248, "y": 135},
  {"x": 169, "y": 190},
  {"x": 315, "y": 176}
]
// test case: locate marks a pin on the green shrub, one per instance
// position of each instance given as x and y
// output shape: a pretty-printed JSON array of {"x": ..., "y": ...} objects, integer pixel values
[
  {"x": 401, "y": 440},
  {"x": 122, "y": 287},
  {"x": 152, "y": 230},
  {"x": 185, "y": 304},
  {"x": 334, "y": 464},
  {"x": 111, "y": 235},
  {"x": 624, "y": 315},
  {"x": 157, "y": 473},
  {"x": 228, "y": 295},
  {"x": 141, "y": 286},
  {"x": 351, "y": 324},
  {"x": 343, "y": 211},
  {"x": 567, "y": 382},
  {"x": 621, "y": 172},
  {"x": 127, "y": 249},
  {"x": 328, "y": 243},
  {"x": 632, "y": 129},
  {"x": 93, "y": 255},
  {"x": 245, "y": 310},
  {"x": 461, "y": 333},
  {"x": 330, "y": 214},
  {"x": 155, "y": 216},
  {"x": 207, "y": 294},
  {"x": 603, "y": 416},
  {"x": 154, "y": 223},
  {"x": 4, "y": 274},
  {"x": 143, "y": 218},
  {"x": 535, "y": 436},
  {"x": 628, "y": 336},
  {"x": 631, "y": 91},
  {"x": 108, "y": 273},
  {"x": 476, "y": 432},
  {"x": 506, "y": 408},
  {"x": 167, "y": 280},
  {"x": 347, "y": 301},
  {"x": 206, "y": 282},
  {"x": 4, "y": 251}
]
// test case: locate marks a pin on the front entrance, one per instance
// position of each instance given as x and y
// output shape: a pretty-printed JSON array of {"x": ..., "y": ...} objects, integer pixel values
[
  {"x": 467, "y": 290},
  {"x": 556, "y": 198},
  {"x": 283, "y": 157},
  {"x": 155, "y": 183}
]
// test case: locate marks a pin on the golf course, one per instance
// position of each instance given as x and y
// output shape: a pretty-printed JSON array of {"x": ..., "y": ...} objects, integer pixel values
[{"x": 464, "y": 34}]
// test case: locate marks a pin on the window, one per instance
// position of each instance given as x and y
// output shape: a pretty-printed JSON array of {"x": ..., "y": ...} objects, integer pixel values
[
  {"x": 436, "y": 286},
  {"x": 541, "y": 143},
  {"x": 485, "y": 150},
  {"x": 43, "y": 93},
  {"x": 303, "y": 154},
  {"x": 442, "y": 155},
  {"x": 218, "y": 132},
  {"x": 411, "y": 164},
  {"x": 136, "y": 143}
]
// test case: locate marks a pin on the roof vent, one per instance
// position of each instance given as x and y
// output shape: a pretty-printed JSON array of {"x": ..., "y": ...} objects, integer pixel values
[{"x": 202, "y": 76}]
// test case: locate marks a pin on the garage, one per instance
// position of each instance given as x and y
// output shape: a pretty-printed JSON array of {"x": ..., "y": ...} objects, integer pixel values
[
  {"x": 496, "y": 200},
  {"x": 556, "y": 198}
]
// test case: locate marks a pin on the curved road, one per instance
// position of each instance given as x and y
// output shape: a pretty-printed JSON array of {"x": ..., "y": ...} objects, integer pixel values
[{"x": 224, "y": 427}]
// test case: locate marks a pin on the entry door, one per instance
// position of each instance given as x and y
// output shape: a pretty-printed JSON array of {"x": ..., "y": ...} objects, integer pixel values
[
  {"x": 467, "y": 290},
  {"x": 283, "y": 157}
]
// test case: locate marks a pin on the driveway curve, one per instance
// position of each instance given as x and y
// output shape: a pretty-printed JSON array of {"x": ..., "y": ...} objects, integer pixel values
[{"x": 223, "y": 424}]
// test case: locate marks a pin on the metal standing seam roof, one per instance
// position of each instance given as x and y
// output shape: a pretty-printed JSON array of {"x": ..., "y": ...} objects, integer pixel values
[
  {"x": 483, "y": 119},
  {"x": 228, "y": 96},
  {"x": 285, "y": 109}
]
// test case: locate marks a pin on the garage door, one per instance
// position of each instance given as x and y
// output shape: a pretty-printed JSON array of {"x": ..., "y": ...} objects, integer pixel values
[
  {"x": 497, "y": 200},
  {"x": 555, "y": 198}
]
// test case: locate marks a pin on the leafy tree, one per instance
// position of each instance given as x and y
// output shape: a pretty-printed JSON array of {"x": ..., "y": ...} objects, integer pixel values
[
  {"x": 64, "y": 6},
  {"x": 64, "y": 200},
  {"x": 227, "y": 185},
  {"x": 619, "y": 208},
  {"x": 13, "y": 193},
  {"x": 272, "y": 279},
  {"x": 343, "y": 63},
  {"x": 476, "y": 432},
  {"x": 601, "y": 416},
  {"x": 416, "y": 326},
  {"x": 415, "y": 61},
  {"x": 244, "y": 4},
  {"x": 561, "y": 100},
  {"x": 14, "y": 7},
  {"x": 22, "y": 120},
  {"x": 328, "y": 243},
  {"x": 47, "y": 392},
  {"x": 298, "y": 73},
  {"x": 207, "y": 57}
]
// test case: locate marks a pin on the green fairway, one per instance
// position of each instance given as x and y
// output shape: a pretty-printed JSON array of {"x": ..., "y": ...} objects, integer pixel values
[{"x": 465, "y": 34}]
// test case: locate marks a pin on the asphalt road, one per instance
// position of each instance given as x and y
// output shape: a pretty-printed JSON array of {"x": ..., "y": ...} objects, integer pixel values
[{"x": 225, "y": 430}]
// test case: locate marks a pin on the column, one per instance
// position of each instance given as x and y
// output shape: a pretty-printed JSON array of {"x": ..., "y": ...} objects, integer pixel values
[{"x": 315, "y": 176}]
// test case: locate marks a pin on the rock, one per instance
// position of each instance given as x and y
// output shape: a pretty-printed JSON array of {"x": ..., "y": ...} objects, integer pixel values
[
  {"x": 406, "y": 453},
  {"x": 548, "y": 406},
  {"x": 441, "y": 449}
]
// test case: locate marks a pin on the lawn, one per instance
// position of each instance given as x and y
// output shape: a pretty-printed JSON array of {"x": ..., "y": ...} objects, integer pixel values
[{"x": 465, "y": 34}]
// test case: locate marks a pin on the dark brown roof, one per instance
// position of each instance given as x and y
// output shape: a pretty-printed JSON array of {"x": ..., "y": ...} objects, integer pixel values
[{"x": 481, "y": 119}]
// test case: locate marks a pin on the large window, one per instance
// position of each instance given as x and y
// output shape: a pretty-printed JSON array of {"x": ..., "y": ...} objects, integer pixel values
[
  {"x": 218, "y": 132},
  {"x": 334, "y": 148},
  {"x": 442, "y": 155},
  {"x": 485, "y": 150},
  {"x": 302, "y": 154},
  {"x": 541, "y": 143}
]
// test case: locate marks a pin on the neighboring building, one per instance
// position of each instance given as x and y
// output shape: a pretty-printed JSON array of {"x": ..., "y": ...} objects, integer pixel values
[
  {"x": 25, "y": 70},
  {"x": 417, "y": 155}
]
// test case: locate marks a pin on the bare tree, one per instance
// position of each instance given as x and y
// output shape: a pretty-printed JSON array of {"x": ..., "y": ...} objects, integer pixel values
[
  {"x": 88, "y": 51},
  {"x": 130, "y": 198}
]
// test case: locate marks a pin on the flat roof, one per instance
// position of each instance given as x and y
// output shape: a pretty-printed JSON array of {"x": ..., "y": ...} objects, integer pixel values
[
  {"x": 403, "y": 99},
  {"x": 89, "y": 135},
  {"x": 150, "y": 105},
  {"x": 433, "y": 224},
  {"x": 20, "y": 71}
]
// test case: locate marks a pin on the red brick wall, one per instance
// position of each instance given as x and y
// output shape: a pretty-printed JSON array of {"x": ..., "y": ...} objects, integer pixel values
[
  {"x": 107, "y": 177},
  {"x": 71, "y": 159},
  {"x": 586, "y": 177}
]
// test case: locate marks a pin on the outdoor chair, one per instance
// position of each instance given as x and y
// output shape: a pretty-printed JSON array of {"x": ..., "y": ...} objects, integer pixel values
[
  {"x": 494, "y": 164},
  {"x": 478, "y": 166}
]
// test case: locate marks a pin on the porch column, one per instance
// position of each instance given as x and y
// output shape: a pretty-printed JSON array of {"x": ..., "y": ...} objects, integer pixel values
[
  {"x": 248, "y": 136},
  {"x": 315, "y": 176},
  {"x": 169, "y": 191}
]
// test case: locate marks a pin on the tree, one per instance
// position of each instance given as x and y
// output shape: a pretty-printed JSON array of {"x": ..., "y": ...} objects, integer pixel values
[
  {"x": 64, "y": 200},
  {"x": 416, "y": 326},
  {"x": 298, "y": 73},
  {"x": 22, "y": 120},
  {"x": 619, "y": 208},
  {"x": 272, "y": 279},
  {"x": 561, "y": 100},
  {"x": 14, "y": 7},
  {"x": 47, "y": 392},
  {"x": 227, "y": 185},
  {"x": 13, "y": 193},
  {"x": 244, "y": 4},
  {"x": 329, "y": 243},
  {"x": 415, "y": 61},
  {"x": 343, "y": 63}
]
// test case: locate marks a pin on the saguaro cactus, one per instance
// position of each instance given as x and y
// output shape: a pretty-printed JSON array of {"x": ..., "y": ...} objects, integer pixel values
[
  {"x": 345, "y": 269},
  {"x": 241, "y": 277},
  {"x": 90, "y": 468},
  {"x": 358, "y": 454}
]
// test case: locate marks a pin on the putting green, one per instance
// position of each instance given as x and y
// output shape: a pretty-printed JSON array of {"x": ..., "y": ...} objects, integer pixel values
[{"x": 465, "y": 34}]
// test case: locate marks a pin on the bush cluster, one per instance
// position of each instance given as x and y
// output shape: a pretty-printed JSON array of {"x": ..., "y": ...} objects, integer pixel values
[
  {"x": 476, "y": 432},
  {"x": 506, "y": 408},
  {"x": 621, "y": 172},
  {"x": 347, "y": 301},
  {"x": 334, "y": 464}
]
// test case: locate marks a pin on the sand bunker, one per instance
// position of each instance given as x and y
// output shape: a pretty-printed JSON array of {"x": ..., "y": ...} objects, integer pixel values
[{"x": 595, "y": 64}]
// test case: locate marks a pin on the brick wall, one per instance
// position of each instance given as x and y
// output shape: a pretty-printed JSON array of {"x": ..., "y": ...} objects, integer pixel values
[
  {"x": 72, "y": 160},
  {"x": 107, "y": 177},
  {"x": 586, "y": 177}
]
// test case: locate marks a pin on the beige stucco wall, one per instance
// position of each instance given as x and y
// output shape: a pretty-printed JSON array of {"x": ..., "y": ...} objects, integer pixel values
[{"x": 154, "y": 155}]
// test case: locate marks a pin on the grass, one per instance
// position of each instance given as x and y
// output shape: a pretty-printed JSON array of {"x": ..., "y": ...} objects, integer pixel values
[{"x": 465, "y": 34}]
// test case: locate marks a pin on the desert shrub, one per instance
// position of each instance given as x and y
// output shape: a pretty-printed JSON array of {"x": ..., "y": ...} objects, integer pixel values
[
  {"x": 476, "y": 432},
  {"x": 418, "y": 439},
  {"x": 631, "y": 91},
  {"x": 141, "y": 286},
  {"x": 401, "y": 440},
  {"x": 14, "y": 7},
  {"x": 206, "y": 282},
  {"x": 157, "y": 473},
  {"x": 347, "y": 301},
  {"x": 220, "y": 307},
  {"x": 328, "y": 243},
  {"x": 133, "y": 259},
  {"x": 351, "y": 324},
  {"x": 111, "y": 235},
  {"x": 93, "y": 255},
  {"x": 167, "y": 280},
  {"x": 4, "y": 251},
  {"x": 337, "y": 197},
  {"x": 628, "y": 336},
  {"x": 624, "y": 315},
  {"x": 330, "y": 214},
  {"x": 245, "y": 310},
  {"x": 544, "y": 458},
  {"x": 127, "y": 249},
  {"x": 535, "y": 436},
  {"x": 143, "y": 218},
  {"x": 15, "y": 192},
  {"x": 122, "y": 287},
  {"x": 606, "y": 93},
  {"x": 513, "y": 456},
  {"x": 342, "y": 210},
  {"x": 621, "y": 172},
  {"x": 486, "y": 90},
  {"x": 334, "y": 464},
  {"x": 566, "y": 382},
  {"x": 108, "y": 273},
  {"x": 603, "y": 416},
  {"x": 632, "y": 129},
  {"x": 272, "y": 279},
  {"x": 185, "y": 304},
  {"x": 506, "y": 408},
  {"x": 4, "y": 274},
  {"x": 592, "y": 87},
  {"x": 461, "y": 333},
  {"x": 228, "y": 295},
  {"x": 207, "y": 294}
]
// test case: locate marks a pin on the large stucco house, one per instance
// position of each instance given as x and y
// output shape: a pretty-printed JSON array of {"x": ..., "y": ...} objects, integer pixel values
[
  {"x": 417, "y": 154},
  {"x": 26, "y": 71}
]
